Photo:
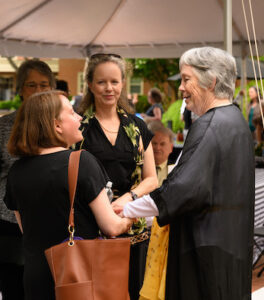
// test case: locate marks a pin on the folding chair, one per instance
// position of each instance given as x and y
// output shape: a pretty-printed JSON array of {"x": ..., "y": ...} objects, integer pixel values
[{"x": 259, "y": 232}]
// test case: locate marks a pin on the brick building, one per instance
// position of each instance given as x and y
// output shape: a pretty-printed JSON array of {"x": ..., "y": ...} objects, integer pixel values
[{"x": 70, "y": 70}]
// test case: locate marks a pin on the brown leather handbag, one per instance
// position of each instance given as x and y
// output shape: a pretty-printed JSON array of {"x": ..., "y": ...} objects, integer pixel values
[{"x": 88, "y": 269}]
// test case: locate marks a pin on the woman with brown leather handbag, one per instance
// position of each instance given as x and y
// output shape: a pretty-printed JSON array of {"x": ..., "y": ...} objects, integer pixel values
[{"x": 37, "y": 188}]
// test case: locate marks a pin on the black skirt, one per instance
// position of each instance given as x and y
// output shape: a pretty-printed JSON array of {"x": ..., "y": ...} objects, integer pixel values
[{"x": 138, "y": 255}]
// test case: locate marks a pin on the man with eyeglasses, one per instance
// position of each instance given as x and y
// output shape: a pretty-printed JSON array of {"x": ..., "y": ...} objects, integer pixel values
[{"x": 33, "y": 76}]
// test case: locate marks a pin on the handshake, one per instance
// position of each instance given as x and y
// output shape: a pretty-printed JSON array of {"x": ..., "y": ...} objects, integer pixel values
[
  {"x": 119, "y": 203},
  {"x": 142, "y": 210}
]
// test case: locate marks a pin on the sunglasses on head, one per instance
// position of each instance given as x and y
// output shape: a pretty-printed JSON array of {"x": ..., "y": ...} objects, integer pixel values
[{"x": 98, "y": 55}]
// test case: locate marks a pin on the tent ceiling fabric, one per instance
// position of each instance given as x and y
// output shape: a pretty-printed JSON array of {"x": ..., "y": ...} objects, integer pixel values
[
  {"x": 132, "y": 28},
  {"x": 249, "y": 70}
]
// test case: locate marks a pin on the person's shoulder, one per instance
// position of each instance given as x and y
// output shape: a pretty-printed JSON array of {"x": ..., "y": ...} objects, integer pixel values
[
  {"x": 6, "y": 124},
  {"x": 8, "y": 119},
  {"x": 87, "y": 120},
  {"x": 199, "y": 128},
  {"x": 88, "y": 158},
  {"x": 227, "y": 119},
  {"x": 17, "y": 164},
  {"x": 140, "y": 122},
  {"x": 158, "y": 105},
  {"x": 90, "y": 165},
  {"x": 227, "y": 114}
]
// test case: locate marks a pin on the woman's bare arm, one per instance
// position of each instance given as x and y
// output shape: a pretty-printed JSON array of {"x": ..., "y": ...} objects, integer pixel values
[
  {"x": 110, "y": 223},
  {"x": 147, "y": 185}
]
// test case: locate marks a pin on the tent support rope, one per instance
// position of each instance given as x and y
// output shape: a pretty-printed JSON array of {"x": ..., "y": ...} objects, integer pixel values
[{"x": 251, "y": 53}]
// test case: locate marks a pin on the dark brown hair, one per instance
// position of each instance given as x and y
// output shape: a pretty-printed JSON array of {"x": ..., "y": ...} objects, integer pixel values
[
  {"x": 156, "y": 95},
  {"x": 256, "y": 90},
  {"x": 34, "y": 126},
  {"x": 88, "y": 99}
]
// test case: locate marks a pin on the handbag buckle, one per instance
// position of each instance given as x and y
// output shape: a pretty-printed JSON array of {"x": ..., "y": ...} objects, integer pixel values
[{"x": 71, "y": 238}]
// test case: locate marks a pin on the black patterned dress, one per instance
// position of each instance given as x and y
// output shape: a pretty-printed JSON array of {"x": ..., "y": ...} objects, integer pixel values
[{"x": 123, "y": 163}]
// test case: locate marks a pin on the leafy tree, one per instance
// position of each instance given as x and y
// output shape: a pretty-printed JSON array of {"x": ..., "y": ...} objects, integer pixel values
[
  {"x": 142, "y": 104},
  {"x": 157, "y": 71}
]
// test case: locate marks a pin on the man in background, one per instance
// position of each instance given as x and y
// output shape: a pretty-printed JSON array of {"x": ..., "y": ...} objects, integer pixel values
[{"x": 162, "y": 144}]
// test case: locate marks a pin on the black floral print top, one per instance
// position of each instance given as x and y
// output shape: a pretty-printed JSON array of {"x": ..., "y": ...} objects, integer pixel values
[{"x": 123, "y": 161}]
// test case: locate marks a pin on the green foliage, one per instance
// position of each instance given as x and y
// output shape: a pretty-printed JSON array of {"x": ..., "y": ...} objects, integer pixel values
[
  {"x": 174, "y": 114},
  {"x": 142, "y": 105},
  {"x": 11, "y": 104},
  {"x": 157, "y": 71},
  {"x": 258, "y": 149}
]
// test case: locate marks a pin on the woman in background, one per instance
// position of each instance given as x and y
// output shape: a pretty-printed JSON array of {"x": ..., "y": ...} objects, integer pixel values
[
  {"x": 254, "y": 103},
  {"x": 156, "y": 110}
]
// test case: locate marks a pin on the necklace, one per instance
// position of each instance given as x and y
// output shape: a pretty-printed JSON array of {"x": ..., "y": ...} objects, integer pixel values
[{"x": 105, "y": 128}]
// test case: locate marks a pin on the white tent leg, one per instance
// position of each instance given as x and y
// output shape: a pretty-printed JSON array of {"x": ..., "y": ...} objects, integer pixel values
[
  {"x": 244, "y": 81},
  {"x": 228, "y": 25}
]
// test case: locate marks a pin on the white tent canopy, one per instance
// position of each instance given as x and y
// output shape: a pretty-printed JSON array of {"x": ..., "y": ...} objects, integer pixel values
[
  {"x": 132, "y": 28},
  {"x": 250, "y": 72}
]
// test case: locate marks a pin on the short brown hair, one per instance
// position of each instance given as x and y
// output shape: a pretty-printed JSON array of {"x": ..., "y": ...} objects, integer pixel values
[
  {"x": 37, "y": 65},
  {"x": 157, "y": 126},
  {"x": 34, "y": 125}
]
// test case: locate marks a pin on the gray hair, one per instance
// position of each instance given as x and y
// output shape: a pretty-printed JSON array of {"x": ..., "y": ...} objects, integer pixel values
[
  {"x": 211, "y": 64},
  {"x": 37, "y": 65}
]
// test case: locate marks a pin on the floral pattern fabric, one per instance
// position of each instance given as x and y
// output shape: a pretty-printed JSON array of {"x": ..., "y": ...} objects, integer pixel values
[{"x": 133, "y": 133}]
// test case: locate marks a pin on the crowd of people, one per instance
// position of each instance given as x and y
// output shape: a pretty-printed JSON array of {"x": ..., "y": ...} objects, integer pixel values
[{"x": 190, "y": 220}]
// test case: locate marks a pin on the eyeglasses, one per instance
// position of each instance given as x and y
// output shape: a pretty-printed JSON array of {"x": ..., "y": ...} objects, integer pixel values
[
  {"x": 33, "y": 86},
  {"x": 98, "y": 55}
]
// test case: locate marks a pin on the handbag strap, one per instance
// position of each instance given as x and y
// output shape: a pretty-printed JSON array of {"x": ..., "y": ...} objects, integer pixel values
[{"x": 73, "y": 170}]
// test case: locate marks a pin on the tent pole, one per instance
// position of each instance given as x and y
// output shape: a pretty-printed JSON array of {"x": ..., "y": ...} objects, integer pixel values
[
  {"x": 85, "y": 71},
  {"x": 228, "y": 25},
  {"x": 244, "y": 77},
  {"x": 12, "y": 63}
]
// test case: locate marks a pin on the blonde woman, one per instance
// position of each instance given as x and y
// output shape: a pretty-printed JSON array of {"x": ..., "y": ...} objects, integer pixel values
[{"x": 121, "y": 142}]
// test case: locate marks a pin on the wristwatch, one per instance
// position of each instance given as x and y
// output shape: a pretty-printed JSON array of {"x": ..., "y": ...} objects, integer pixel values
[{"x": 133, "y": 195}]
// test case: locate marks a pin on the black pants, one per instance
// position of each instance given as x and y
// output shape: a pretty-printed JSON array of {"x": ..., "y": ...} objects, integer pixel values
[{"x": 11, "y": 281}]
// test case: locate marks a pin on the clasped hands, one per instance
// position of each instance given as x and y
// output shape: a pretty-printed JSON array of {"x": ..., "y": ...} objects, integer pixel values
[{"x": 118, "y": 204}]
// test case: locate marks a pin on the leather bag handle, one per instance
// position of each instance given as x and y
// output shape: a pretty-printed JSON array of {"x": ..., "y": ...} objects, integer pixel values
[{"x": 73, "y": 170}]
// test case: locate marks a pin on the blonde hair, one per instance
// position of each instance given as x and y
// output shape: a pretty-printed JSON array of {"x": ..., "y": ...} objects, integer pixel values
[{"x": 95, "y": 60}]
